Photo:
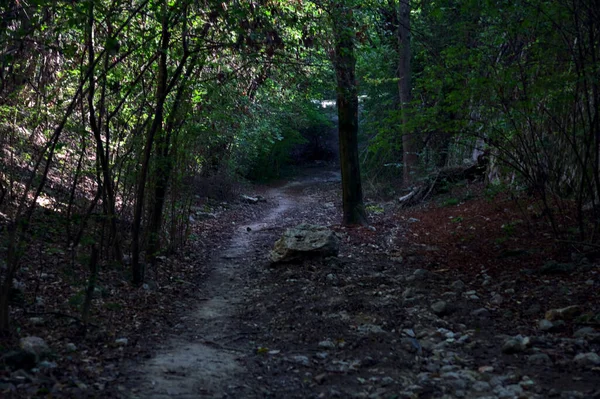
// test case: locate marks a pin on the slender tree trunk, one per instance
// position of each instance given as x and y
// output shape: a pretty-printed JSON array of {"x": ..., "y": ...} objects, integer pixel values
[
  {"x": 137, "y": 268},
  {"x": 347, "y": 105},
  {"x": 409, "y": 142},
  {"x": 95, "y": 123}
]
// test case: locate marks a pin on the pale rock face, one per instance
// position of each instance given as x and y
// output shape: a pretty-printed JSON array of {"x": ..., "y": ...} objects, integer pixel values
[
  {"x": 305, "y": 240},
  {"x": 34, "y": 345}
]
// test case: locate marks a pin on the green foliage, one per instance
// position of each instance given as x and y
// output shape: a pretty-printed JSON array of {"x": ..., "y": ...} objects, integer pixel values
[
  {"x": 375, "y": 209},
  {"x": 450, "y": 202}
]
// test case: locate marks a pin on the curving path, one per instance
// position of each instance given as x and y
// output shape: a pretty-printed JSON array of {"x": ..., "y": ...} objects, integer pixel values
[{"x": 202, "y": 362}]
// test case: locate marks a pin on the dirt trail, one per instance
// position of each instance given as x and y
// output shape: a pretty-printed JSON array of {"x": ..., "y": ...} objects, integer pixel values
[
  {"x": 201, "y": 362},
  {"x": 378, "y": 321}
]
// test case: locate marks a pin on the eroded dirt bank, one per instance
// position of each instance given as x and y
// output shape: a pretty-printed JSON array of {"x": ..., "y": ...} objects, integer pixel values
[{"x": 376, "y": 322}]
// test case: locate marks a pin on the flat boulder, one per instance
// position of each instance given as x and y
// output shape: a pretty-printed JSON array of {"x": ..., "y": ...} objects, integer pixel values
[{"x": 305, "y": 241}]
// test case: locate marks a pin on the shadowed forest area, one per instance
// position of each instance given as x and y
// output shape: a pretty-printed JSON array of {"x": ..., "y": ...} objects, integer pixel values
[{"x": 300, "y": 199}]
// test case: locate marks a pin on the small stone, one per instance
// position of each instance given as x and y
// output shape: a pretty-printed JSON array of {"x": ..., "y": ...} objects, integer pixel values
[
  {"x": 410, "y": 332},
  {"x": 545, "y": 325},
  {"x": 440, "y": 308},
  {"x": 35, "y": 345},
  {"x": 568, "y": 313},
  {"x": 300, "y": 359},
  {"x": 515, "y": 344},
  {"x": 540, "y": 359},
  {"x": 482, "y": 313},
  {"x": 486, "y": 369},
  {"x": 458, "y": 285},
  {"x": 411, "y": 345},
  {"x": 533, "y": 309},
  {"x": 71, "y": 347},
  {"x": 368, "y": 362},
  {"x": 319, "y": 379},
  {"x": 589, "y": 282},
  {"x": 410, "y": 292},
  {"x": 329, "y": 344},
  {"x": 481, "y": 386},
  {"x": 37, "y": 321},
  {"x": 385, "y": 381},
  {"x": 420, "y": 274},
  {"x": 47, "y": 365},
  {"x": 472, "y": 292},
  {"x": 509, "y": 291},
  {"x": 589, "y": 359},
  {"x": 589, "y": 333},
  {"x": 497, "y": 299},
  {"x": 121, "y": 341},
  {"x": 509, "y": 391},
  {"x": 553, "y": 267},
  {"x": 370, "y": 329},
  {"x": 473, "y": 297}
]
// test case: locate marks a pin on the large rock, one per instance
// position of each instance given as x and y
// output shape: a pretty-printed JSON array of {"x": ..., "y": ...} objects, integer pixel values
[
  {"x": 35, "y": 345},
  {"x": 305, "y": 240},
  {"x": 568, "y": 313}
]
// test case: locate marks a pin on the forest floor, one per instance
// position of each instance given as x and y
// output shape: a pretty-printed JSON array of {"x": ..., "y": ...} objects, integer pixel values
[{"x": 449, "y": 299}]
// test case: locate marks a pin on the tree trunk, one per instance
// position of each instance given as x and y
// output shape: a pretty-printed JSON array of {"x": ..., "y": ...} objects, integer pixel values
[
  {"x": 137, "y": 268},
  {"x": 409, "y": 142},
  {"x": 347, "y": 104},
  {"x": 96, "y": 126}
]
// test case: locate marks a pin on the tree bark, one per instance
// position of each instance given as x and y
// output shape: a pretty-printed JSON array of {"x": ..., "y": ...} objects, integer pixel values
[
  {"x": 137, "y": 268},
  {"x": 96, "y": 126},
  {"x": 409, "y": 142},
  {"x": 347, "y": 105}
]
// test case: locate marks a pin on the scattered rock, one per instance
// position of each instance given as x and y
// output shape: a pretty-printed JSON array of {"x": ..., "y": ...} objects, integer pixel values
[
  {"x": 71, "y": 347},
  {"x": 35, "y": 345},
  {"x": 568, "y": 313},
  {"x": 545, "y": 325},
  {"x": 300, "y": 359},
  {"x": 121, "y": 341},
  {"x": 540, "y": 359},
  {"x": 481, "y": 313},
  {"x": 508, "y": 392},
  {"x": 589, "y": 359},
  {"x": 515, "y": 344},
  {"x": 370, "y": 329},
  {"x": 329, "y": 344},
  {"x": 533, "y": 309},
  {"x": 553, "y": 267},
  {"x": 411, "y": 345},
  {"x": 588, "y": 333},
  {"x": 303, "y": 241},
  {"x": 37, "y": 321},
  {"x": 481, "y": 386},
  {"x": 47, "y": 365},
  {"x": 486, "y": 369},
  {"x": 410, "y": 292},
  {"x": 249, "y": 200},
  {"x": 319, "y": 379},
  {"x": 440, "y": 308},
  {"x": 410, "y": 332},
  {"x": 420, "y": 275},
  {"x": 497, "y": 299},
  {"x": 458, "y": 286}
]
